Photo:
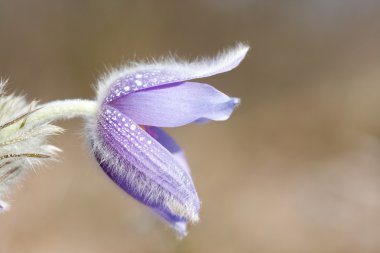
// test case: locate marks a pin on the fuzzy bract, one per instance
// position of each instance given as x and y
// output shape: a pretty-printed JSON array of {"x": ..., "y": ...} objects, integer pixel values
[
  {"x": 22, "y": 144},
  {"x": 126, "y": 135}
]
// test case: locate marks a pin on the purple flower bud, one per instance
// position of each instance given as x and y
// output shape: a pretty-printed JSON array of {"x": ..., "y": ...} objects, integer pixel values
[{"x": 138, "y": 155}]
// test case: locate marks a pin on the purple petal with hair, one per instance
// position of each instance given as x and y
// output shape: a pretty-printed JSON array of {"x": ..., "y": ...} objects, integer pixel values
[
  {"x": 176, "y": 104},
  {"x": 170, "y": 144},
  {"x": 145, "y": 169},
  {"x": 152, "y": 75}
]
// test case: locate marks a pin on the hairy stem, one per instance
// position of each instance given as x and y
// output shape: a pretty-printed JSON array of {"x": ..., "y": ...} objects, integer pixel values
[
  {"x": 52, "y": 111},
  {"x": 64, "y": 109}
]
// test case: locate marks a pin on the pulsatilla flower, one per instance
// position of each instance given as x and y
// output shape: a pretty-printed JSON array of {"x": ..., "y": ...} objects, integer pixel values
[
  {"x": 134, "y": 103},
  {"x": 124, "y": 129}
]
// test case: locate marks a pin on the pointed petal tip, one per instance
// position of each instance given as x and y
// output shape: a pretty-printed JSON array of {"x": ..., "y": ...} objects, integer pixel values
[
  {"x": 236, "y": 101},
  {"x": 235, "y": 54},
  {"x": 180, "y": 229},
  {"x": 3, "y": 206},
  {"x": 227, "y": 59},
  {"x": 231, "y": 105},
  {"x": 242, "y": 48}
]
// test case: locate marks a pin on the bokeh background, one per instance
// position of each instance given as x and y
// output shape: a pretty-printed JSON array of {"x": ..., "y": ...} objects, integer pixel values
[{"x": 296, "y": 168}]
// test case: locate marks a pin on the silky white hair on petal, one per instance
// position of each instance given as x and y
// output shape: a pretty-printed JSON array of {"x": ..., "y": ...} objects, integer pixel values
[{"x": 224, "y": 61}]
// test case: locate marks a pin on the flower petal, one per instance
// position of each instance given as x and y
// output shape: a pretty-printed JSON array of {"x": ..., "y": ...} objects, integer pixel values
[
  {"x": 176, "y": 105},
  {"x": 142, "y": 76},
  {"x": 170, "y": 144},
  {"x": 142, "y": 167}
]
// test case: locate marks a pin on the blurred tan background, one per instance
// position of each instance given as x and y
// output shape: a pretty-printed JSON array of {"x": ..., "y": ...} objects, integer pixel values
[{"x": 296, "y": 168}]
